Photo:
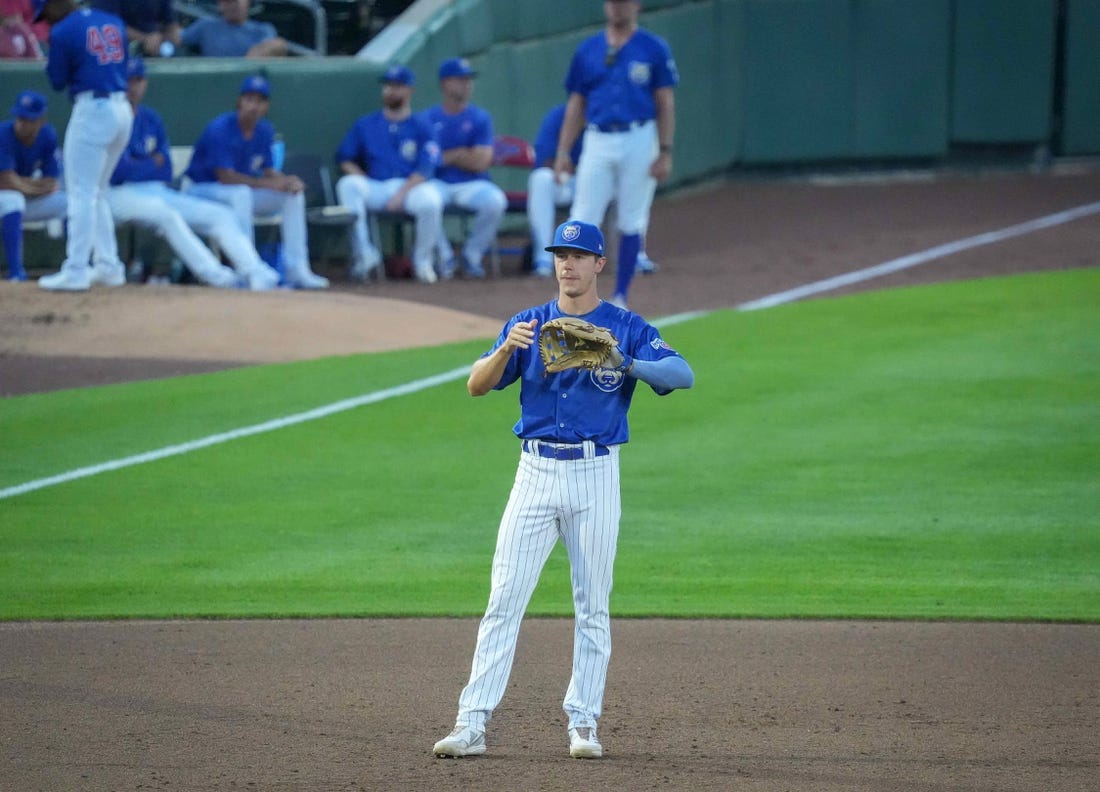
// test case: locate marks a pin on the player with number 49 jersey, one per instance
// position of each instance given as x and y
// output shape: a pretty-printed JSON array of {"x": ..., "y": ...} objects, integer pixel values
[{"x": 88, "y": 58}]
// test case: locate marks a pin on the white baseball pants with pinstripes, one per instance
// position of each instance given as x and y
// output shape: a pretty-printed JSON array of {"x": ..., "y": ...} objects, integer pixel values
[{"x": 578, "y": 502}]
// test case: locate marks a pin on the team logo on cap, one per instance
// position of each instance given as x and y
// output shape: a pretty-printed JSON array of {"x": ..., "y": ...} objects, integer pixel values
[{"x": 570, "y": 232}]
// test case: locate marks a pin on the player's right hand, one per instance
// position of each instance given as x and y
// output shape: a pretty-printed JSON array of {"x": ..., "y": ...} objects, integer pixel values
[{"x": 522, "y": 335}]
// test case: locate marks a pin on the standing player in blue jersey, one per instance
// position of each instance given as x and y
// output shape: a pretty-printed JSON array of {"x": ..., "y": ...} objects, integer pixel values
[
  {"x": 88, "y": 57},
  {"x": 231, "y": 163},
  {"x": 140, "y": 193},
  {"x": 547, "y": 192},
  {"x": 29, "y": 175},
  {"x": 620, "y": 85},
  {"x": 388, "y": 158},
  {"x": 465, "y": 135},
  {"x": 571, "y": 427}
]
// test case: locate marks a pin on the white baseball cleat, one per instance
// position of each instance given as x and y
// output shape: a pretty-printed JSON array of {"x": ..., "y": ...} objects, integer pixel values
[
  {"x": 463, "y": 741},
  {"x": 305, "y": 278},
  {"x": 365, "y": 265},
  {"x": 112, "y": 275},
  {"x": 584, "y": 744},
  {"x": 68, "y": 279},
  {"x": 646, "y": 265}
]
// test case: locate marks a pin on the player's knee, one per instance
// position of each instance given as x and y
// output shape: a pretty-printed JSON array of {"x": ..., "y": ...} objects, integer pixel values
[{"x": 12, "y": 201}]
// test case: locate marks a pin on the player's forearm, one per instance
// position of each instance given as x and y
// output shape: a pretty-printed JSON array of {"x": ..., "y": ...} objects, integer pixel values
[
  {"x": 664, "y": 375},
  {"x": 571, "y": 125},
  {"x": 487, "y": 371},
  {"x": 472, "y": 158}
]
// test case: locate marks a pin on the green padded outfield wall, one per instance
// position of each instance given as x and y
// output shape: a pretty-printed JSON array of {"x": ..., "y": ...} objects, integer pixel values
[
  {"x": 1003, "y": 81},
  {"x": 1080, "y": 133}
]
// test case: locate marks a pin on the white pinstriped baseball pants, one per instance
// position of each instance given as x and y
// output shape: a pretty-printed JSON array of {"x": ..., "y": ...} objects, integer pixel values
[{"x": 577, "y": 501}]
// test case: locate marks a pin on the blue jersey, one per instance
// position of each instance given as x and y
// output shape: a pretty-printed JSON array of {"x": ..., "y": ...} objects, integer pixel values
[
  {"x": 578, "y": 404},
  {"x": 223, "y": 146},
  {"x": 390, "y": 149},
  {"x": 147, "y": 138},
  {"x": 88, "y": 52},
  {"x": 39, "y": 159},
  {"x": 546, "y": 144},
  {"x": 622, "y": 91},
  {"x": 472, "y": 126}
]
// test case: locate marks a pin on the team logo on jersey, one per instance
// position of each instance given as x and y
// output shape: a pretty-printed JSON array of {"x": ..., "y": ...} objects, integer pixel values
[
  {"x": 607, "y": 380},
  {"x": 659, "y": 343},
  {"x": 150, "y": 144},
  {"x": 408, "y": 150},
  {"x": 639, "y": 73}
]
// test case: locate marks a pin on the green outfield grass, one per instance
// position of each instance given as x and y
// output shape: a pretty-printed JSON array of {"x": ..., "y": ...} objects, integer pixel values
[{"x": 916, "y": 453}]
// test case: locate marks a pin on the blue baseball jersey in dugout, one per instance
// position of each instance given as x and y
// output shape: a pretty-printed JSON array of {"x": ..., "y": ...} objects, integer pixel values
[
  {"x": 472, "y": 126},
  {"x": 579, "y": 404},
  {"x": 390, "y": 149},
  {"x": 222, "y": 146},
  {"x": 40, "y": 157},
  {"x": 148, "y": 138}
]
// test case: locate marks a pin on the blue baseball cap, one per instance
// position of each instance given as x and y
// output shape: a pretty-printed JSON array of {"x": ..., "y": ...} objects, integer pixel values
[
  {"x": 578, "y": 235},
  {"x": 256, "y": 84},
  {"x": 135, "y": 69},
  {"x": 38, "y": 6},
  {"x": 30, "y": 105},
  {"x": 456, "y": 67},
  {"x": 398, "y": 74}
]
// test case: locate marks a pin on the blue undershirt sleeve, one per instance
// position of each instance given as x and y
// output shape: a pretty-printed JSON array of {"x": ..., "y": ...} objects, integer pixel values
[{"x": 664, "y": 375}]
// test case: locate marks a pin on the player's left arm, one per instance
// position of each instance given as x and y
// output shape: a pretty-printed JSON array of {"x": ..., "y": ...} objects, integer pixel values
[
  {"x": 665, "y": 102},
  {"x": 664, "y": 375}
]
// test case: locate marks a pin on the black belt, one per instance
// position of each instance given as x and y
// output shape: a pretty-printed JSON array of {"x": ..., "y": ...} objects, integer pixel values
[
  {"x": 619, "y": 126},
  {"x": 561, "y": 452},
  {"x": 101, "y": 94}
]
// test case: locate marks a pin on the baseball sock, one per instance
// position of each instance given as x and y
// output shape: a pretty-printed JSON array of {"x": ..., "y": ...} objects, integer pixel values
[
  {"x": 629, "y": 245},
  {"x": 11, "y": 227}
]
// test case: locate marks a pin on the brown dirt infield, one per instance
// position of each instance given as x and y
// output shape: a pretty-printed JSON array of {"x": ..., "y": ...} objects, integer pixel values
[{"x": 817, "y": 706}]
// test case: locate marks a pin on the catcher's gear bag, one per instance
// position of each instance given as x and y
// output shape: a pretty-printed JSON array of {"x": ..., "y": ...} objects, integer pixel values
[{"x": 566, "y": 343}]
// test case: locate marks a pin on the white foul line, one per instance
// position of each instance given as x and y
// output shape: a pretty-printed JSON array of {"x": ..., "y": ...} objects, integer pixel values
[
  {"x": 779, "y": 298},
  {"x": 247, "y": 431},
  {"x": 913, "y": 259}
]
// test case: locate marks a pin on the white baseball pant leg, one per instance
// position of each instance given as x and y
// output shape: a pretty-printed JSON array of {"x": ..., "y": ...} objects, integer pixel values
[
  {"x": 237, "y": 197},
  {"x": 208, "y": 219},
  {"x": 144, "y": 203},
  {"x": 545, "y": 195},
  {"x": 579, "y": 502},
  {"x": 45, "y": 207},
  {"x": 357, "y": 194},
  {"x": 616, "y": 165},
  {"x": 97, "y": 134},
  {"x": 487, "y": 201},
  {"x": 291, "y": 207}
]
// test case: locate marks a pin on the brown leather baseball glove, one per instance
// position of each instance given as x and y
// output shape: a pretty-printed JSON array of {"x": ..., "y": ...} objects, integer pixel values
[{"x": 567, "y": 343}]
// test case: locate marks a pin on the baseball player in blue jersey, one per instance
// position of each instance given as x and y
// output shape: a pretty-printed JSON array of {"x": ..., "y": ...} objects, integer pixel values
[
  {"x": 231, "y": 163},
  {"x": 620, "y": 85},
  {"x": 547, "y": 192},
  {"x": 571, "y": 427},
  {"x": 29, "y": 175},
  {"x": 465, "y": 135},
  {"x": 88, "y": 57},
  {"x": 388, "y": 159},
  {"x": 140, "y": 193}
]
